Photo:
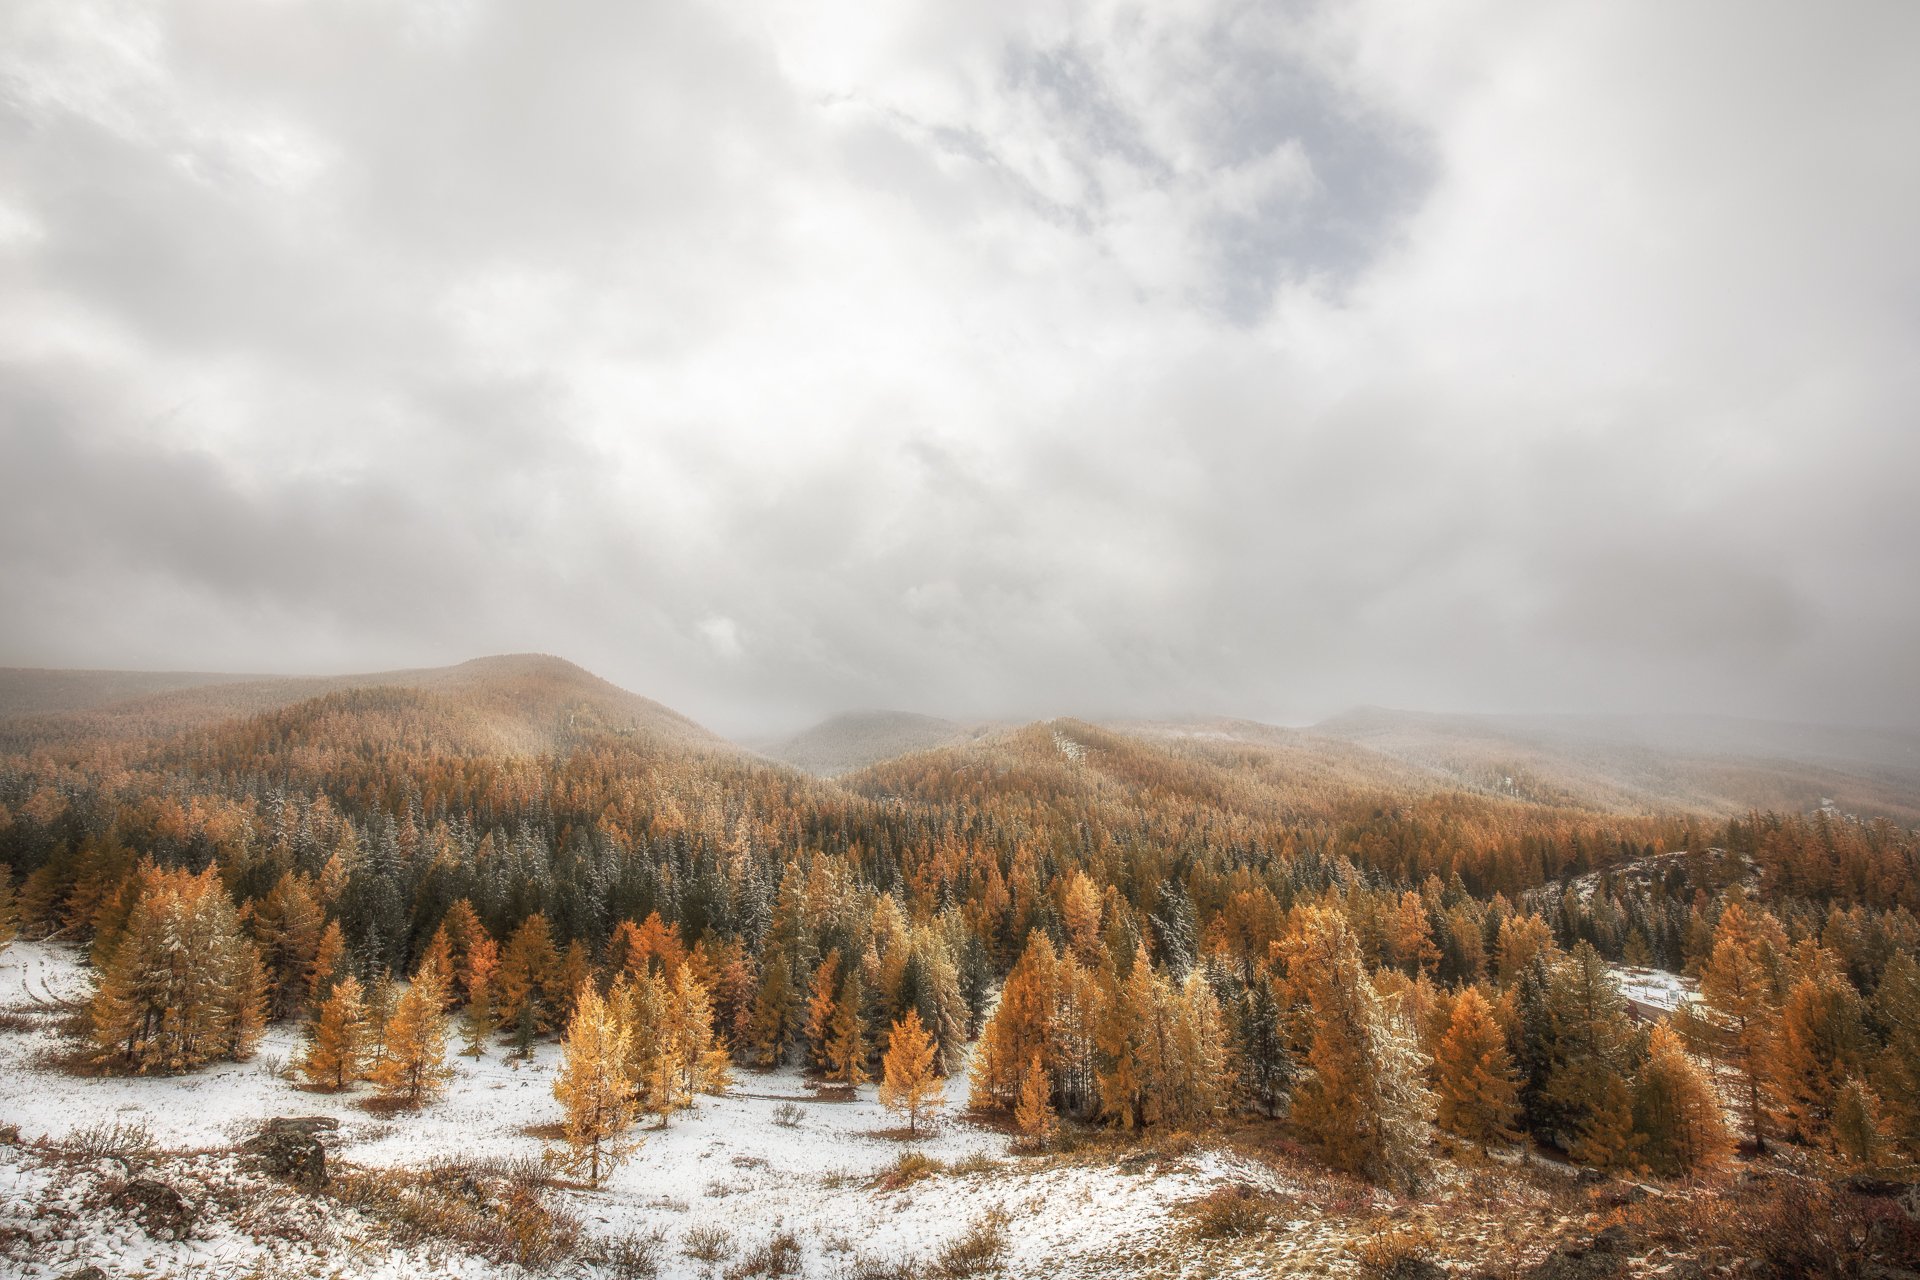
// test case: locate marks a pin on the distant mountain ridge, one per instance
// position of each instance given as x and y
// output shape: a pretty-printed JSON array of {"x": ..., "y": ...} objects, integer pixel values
[{"x": 856, "y": 739}]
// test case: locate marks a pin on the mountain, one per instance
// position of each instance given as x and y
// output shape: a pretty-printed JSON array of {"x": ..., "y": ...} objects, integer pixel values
[
  {"x": 532, "y": 699},
  {"x": 844, "y": 743},
  {"x": 1703, "y": 764}
]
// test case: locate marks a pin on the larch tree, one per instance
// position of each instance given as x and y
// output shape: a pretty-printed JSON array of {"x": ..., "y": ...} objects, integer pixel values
[
  {"x": 526, "y": 991},
  {"x": 478, "y": 1021},
  {"x": 336, "y": 1043},
  {"x": 1020, "y": 1027},
  {"x": 847, "y": 1035},
  {"x": 592, "y": 1086},
  {"x": 412, "y": 1066},
  {"x": 1034, "y": 1114},
  {"x": 328, "y": 966},
  {"x": 1896, "y": 1069},
  {"x": 908, "y": 1084},
  {"x": 1820, "y": 1046},
  {"x": 181, "y": 985},
  {"x": 822, "y": 1005},
  {"x": 1675, "y": 1111},
  {"x": 1363, "y": 1100},
  {"x": 287, "y": 927},
  {"x": 9, "y": 912},
  {"x": 1857, "y": 1132},
  {"x": 1740, "y": 1015},
  {"x": 1477, "y": 1092}
]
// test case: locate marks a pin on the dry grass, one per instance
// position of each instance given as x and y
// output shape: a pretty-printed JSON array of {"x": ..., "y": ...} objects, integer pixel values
[
  {"x": 1230, "y": 1212},
  {"x": 779, "y": 1255},
  {"x": 707, "y": 1244},
  {"x": 497, "y": 1209},
  {"x": 908, "y": 1168},
  {"x": 979, "y": 1252}
]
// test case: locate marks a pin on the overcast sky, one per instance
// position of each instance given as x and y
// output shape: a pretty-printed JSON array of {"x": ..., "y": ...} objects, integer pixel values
[{"x": 982, "y": 358}]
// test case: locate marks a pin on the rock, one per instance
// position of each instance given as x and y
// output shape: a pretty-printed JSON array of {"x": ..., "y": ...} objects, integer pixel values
[
  {"x": 290, "y": 1148},
  {"x": 1601, "y": 1258},
  {"x": 1414, "y": 1269},
  {"x": 163, "y": 1212},
  {"x": 85, "y": 1273},
  {"x": 9, "y": 1135}
]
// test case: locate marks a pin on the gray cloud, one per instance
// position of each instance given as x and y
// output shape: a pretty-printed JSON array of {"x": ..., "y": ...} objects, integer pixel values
[{"x": 985, "y": 360}]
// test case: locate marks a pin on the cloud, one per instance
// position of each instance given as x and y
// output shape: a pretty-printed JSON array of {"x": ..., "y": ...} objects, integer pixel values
[{"x": 973, "y": 358}]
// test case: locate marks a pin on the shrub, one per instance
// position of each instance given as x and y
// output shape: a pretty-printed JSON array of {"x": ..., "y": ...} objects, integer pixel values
[
  {"x": 908, "y": 1169},
  {"x": 1228, "y": 1212},
  {"x": 496, "y": 1208},
  {"x": 779, "y": 1256},
  {"x": 707, "y": 1244},
  {"x": 633, "y": 1255},
  {"x": 788, "y": 1115},
  {"x": 979, "y": 1252},
  {"x": 128, "y": 1141}
]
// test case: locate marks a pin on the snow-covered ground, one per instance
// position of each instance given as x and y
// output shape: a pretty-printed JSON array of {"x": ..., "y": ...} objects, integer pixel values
[
  {"x": 1655, "y": 988},
  {"x": 727, "y": 1165}
]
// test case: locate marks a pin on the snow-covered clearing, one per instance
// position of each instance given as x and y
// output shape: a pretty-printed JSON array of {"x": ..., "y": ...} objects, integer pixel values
[
  {"x": 731, "y": 1165},
  {"x": 1655, "y": 989}
]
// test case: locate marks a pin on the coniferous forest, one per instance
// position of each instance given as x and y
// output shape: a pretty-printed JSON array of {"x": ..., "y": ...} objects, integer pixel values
[{"x": 1085, "y": 938}]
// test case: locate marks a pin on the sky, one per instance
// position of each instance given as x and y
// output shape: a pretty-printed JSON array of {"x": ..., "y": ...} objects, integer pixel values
[{"x": 980, "y": 359}]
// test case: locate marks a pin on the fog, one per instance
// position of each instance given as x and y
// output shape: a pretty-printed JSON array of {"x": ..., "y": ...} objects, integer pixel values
[{"x": 991, "y": 359}]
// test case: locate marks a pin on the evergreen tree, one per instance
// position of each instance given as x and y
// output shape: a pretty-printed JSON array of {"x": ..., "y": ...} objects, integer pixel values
[
  {"x": 9, "y": 913},
  {"x": 908, "y": 1084},
  {"x": 181, "y": 985}
]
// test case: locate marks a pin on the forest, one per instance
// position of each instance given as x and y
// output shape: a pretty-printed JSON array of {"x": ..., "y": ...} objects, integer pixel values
[{"x": 1078, "y": 930}]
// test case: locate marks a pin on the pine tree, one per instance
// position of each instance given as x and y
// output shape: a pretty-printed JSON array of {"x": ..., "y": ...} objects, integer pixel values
[
  {"x": 337, "y": 1039},
  {"x": 592, "y": 1087},
  {"x": 1477, "y": 1091},
  {"x": 1675, "y": 1112},
  {"x": 908, "y": 1084},
  {"x": 412, "y": 1067},
  {"x": 1587, "y": 1092}
]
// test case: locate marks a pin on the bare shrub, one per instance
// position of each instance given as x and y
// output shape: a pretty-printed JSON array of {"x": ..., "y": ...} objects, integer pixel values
[
  {"x": 979, "y": 1252},
  {"x": 788, "y": 1115},
  {"x": 496, "y": 1208},
  {"x": 1387, "y": 1250},
  {"x": 779, "y": 1256},
  {"x": 1229, "y": 1212},
  {"x": 707, "y": 1244},
  {"x": 632, "y": 1255},
  {"x": 910, "y": 1167},
  {"x": 863, "y": 1266},
  {"x": 129, "y": 1141}
]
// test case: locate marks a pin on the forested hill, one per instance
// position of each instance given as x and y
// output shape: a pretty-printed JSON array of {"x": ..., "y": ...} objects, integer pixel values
[
  {"x": 544, "y": 698},
  {"x": 1101, "y": 880}
]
